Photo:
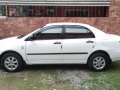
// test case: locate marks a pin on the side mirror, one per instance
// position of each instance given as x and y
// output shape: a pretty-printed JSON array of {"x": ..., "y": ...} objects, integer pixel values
[{"x": 30, "y": 38}]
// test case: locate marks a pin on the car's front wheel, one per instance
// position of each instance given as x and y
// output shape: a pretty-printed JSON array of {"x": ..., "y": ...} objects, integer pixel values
[
  {"x": 99, "y": 62},
  {"x": 11, "y": 62}
]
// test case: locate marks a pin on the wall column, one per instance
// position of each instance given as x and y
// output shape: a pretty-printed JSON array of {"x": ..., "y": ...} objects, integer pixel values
[{"x": 6, "y": 9}]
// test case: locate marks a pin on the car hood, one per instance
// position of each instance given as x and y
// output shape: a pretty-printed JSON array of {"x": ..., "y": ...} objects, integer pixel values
[
  {"x": 9, "y": 39},
  {"x": 10, "y": 43}
]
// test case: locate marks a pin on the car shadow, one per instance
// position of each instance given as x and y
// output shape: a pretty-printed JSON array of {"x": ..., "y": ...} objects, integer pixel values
[
  {"x": 57, "y": 67},
  {"x": 114, "y": 66}
]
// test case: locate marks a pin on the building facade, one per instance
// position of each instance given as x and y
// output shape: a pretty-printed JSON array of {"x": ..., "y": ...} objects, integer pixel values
[{"x": 23, "y": 16}]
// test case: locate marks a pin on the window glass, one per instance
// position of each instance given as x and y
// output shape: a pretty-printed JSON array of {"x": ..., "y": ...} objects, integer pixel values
[
  {"x": 17, "y": 11},
  {"x": 57, "y": 11},
  {"x": 78, "y": 32},
  {"x": 51, "y": 33},
  {"x": 2, "y": 10}
]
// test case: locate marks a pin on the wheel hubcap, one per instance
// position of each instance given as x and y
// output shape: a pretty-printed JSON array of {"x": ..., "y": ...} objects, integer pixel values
[
  {"x": 99, "y": 63},
  {"x": 11, "y": 63}
]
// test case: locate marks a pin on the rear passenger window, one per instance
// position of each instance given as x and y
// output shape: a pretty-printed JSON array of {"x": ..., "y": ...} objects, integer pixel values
[{"x": 78, "y": 32}]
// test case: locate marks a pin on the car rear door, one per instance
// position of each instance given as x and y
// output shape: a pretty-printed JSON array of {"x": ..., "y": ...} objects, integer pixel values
[
  {"x": 78, "y": 42},
  {"x": 46, "y": 47}
]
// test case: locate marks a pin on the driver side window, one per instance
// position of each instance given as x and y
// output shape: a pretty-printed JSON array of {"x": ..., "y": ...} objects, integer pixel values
[{"x": 50, "y": 33}]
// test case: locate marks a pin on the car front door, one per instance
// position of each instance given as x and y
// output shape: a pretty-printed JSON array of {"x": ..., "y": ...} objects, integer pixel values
[
  {"x": 78, "y": 42},
  {"x": 45, "y": 46}
]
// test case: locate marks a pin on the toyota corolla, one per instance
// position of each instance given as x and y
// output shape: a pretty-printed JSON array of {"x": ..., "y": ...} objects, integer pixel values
[{"x": 61, "y": 43}]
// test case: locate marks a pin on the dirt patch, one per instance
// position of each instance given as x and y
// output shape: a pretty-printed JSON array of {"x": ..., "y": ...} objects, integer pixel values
[{"x": 76, "y": 78}]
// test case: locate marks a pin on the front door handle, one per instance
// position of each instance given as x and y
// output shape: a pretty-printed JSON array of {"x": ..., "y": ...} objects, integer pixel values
[
  {"x": 89, "y": 41},
  {"x": 57, "y": 43}
]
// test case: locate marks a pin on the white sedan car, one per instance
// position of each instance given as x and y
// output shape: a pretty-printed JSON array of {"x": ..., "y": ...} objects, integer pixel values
[{"x": 61, "y": 43}]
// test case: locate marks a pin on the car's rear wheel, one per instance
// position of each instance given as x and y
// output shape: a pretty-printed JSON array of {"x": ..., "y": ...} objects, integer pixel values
[
  {"x": 99, "y": 62},
  {"x": 12, "y": 62}
]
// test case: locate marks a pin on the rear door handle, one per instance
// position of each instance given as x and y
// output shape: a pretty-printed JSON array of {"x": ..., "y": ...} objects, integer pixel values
[
  {"x": 57, "y": 43},
  {"x": 89, "y": 41}
]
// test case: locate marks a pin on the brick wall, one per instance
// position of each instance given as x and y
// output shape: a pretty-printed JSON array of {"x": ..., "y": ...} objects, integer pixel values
[{"x": 16, "y": 25}]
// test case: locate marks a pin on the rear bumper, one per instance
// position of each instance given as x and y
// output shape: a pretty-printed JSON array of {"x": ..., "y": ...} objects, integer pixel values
[{"x": 114, "y": 55}]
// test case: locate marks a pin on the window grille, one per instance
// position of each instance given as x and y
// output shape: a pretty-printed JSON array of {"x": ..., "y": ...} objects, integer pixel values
[{"x": 55, "y": 11}]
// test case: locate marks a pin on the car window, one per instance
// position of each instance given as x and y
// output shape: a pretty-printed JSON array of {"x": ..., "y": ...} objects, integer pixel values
[
  {"x": 52, "y": 31},
  {"x": 49, "y": 33},
  {"x": 78, "y": 32}
]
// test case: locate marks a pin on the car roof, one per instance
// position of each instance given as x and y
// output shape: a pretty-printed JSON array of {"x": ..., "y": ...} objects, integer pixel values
[{"x": 66, "y": 23}]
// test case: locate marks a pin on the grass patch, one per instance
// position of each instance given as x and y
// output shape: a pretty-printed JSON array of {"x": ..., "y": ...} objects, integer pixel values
[
  {"x": 107, "y": 80},
  {"x": 75, "y": 77}
]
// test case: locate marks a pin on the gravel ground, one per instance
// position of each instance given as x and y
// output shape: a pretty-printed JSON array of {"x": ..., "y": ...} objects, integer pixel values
[{"x": 75, "y": 77}]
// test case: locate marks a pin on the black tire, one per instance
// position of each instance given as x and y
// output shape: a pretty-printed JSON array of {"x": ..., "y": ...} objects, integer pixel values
[
  {"x": 18, "y": 61},
  {"x": 94, "y": 64}
]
